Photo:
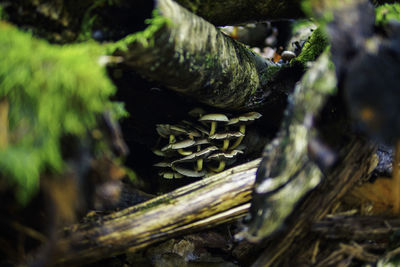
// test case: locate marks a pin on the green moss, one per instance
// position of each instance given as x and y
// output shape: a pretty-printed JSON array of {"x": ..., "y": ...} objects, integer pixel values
[
  {"x": 313, "y": 47},
  {"x": 146, "y": 37},
  {"x": 52, "y": 91},
  {"x": 387, "y": 12}
]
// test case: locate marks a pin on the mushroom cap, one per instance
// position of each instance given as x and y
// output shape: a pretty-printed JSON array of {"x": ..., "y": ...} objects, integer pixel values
[
  {"x": 197, "y": 155},
  {"x": 170, "y": 175},
  {"x": 203, "y": 141},
  {"x": 288, "y": 55},
  {"x": 227, "y": 135},
  {"x": 225, "y": 155},
  {"x": 214, "y": 117},
  {"x": 164, "y": 130},
  {"x": 189, "y": 172},
  {"x": 159, "y": 153},
  {"x": 196, "y": 127},
  {"x": 163, "y": 164},
  {"x": 179, "y": 145},
  {"x": 245, "y": 118}
]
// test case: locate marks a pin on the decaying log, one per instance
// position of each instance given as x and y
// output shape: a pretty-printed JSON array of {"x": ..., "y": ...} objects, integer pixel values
[
  {"x": 189, "y": 55},
  {"x": 231, "y": 12},
  {"x": 219, "y": 199},
  {"x": 296, "y": 239},
  {"x": 290, "y": 191},
  {"x": 287, "y": 173}
]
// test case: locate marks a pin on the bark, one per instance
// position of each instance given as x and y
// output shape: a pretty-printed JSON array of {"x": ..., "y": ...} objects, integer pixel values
[
  {"x": 190, "y": 56},
  {"x": 212, "y": 201},
  {"x": 231, "y": 12}
]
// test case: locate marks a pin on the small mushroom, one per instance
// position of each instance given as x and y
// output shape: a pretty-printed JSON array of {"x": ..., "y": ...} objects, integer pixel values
[
  {"x": 226, "y": 137},
  {"x": 288, "y": 55},
  {"x": 197, "y": 156},
  {"x": 199, "y": 128},
  {"x": 170, "y": 175},
  {"x": 180, "y": 146},
  {"x": 214, "y": 118},
  {"x": 242, "y": 120},
  {"x": 163, "y": 164},
  {"x": 159, "y": 152},
  {"x": 188, "y": 172},
  {"x": 222, "y": 158},
  {"x": 171, "y": 131}
]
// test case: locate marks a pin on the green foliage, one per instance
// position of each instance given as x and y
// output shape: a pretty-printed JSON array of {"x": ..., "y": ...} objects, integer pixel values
[
  {"x": 387, "y": 12},
  {"x": 313, "y": 47},
  {"x": 53, "y": 91},
  {"x": 146, "y": 37}
]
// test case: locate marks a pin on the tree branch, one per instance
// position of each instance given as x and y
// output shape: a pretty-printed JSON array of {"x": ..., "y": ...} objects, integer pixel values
[{"x": 221, "y": 198}]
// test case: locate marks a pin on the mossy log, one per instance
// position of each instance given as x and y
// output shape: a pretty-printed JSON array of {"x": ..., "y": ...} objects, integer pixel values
[
  {"x": 189, "y": 55},
  {"x": 231, "y": 12},
  {"x": 219, "y": 199}
]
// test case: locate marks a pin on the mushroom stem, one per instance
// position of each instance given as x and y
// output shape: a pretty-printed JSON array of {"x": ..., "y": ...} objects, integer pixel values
[
  {"x": 220, "y": 167},
  {"x": 184, "y": 152},
  {"x": 226, "y": 145},
  {"x": 242, "y": 129},
  {"x": 172, "y": 138},
  {"x": 213, "y": 127},
  {"x": 199, "y": 165}
]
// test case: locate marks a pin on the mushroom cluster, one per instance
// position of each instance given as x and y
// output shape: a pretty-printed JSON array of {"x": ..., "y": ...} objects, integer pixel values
[{"x": 201, "y": 147}]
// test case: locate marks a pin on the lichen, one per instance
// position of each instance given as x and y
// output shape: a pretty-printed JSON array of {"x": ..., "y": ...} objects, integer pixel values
[
  {"x": 52, "y": 91},
  {"x": 387, "y": 12},
  {"x": 146, "y": 37}
]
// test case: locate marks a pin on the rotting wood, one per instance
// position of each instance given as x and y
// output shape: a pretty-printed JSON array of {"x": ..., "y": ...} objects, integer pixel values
[
  {"x": 191, "y": 56},
  {"x": 212, "y": 201}
]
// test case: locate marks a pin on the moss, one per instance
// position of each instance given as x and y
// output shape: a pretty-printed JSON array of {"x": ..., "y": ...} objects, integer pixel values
[
  {"x": 146, "y": 37},
  {"x": 387, "y": 12},
  {"x": 52, "y": 91},
  {"x": 313, "y": 47}
]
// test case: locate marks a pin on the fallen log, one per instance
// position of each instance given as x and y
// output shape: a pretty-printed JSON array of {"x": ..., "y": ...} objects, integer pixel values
[
  {"x": 212, "y": 201},
  {"x": 191, "y": 56}
]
